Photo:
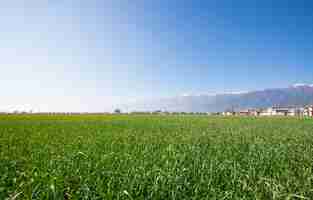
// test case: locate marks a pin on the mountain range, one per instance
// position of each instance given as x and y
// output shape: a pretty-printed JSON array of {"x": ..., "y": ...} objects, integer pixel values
[{"x": 296, "y": 95}]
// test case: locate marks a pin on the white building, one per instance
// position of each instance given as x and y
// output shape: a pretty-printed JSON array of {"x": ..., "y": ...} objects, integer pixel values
[
  {"x": 227, "y": 113},
  {"x": 279, "y": 111},
  {"x": 308, "y": 111},
  {"x": 267, "y": 112}
]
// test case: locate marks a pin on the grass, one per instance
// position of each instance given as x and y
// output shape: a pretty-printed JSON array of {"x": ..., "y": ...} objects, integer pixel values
[{"x": 155, "y": 157}]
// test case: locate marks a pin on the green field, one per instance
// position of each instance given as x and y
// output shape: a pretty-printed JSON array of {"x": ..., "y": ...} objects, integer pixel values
[{"x": 155, "y": 157}]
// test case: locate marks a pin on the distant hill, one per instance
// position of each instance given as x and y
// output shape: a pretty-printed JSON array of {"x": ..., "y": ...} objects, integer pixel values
[{"x": 296, "y": 95}]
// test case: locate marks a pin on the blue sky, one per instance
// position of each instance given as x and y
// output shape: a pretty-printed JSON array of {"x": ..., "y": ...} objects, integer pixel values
[{"x": 91, "y": 55}]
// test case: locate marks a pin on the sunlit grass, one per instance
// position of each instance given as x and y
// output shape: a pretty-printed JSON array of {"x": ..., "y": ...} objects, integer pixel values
[{"x": 155, "y": 157}]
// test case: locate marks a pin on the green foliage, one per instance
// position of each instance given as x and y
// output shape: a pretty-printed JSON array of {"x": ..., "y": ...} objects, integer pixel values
[{"x": 155, "y": 157}]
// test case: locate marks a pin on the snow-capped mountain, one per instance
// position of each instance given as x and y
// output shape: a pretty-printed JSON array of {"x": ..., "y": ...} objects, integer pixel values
[{"x": 295, "y": 95}]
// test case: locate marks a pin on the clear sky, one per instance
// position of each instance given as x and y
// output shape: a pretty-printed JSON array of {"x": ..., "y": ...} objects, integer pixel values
[{"x": 70, "y": 55}]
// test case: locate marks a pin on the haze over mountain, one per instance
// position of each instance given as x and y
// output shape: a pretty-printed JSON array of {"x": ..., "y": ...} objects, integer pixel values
[{"x": 296, "y": 95}]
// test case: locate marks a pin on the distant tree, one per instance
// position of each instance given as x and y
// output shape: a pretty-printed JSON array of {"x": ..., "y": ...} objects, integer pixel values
[{"x": 117, "y": 111}]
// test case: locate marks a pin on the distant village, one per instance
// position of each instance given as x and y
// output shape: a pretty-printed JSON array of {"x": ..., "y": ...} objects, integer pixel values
[
  {"x": 291, "y": 111},
  {"x": 273, "y": 111},
  {"x": 305, "y": 111}
]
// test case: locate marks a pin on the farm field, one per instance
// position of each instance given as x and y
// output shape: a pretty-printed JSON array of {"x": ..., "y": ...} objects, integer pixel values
[{"x": 155, "y": 157}]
